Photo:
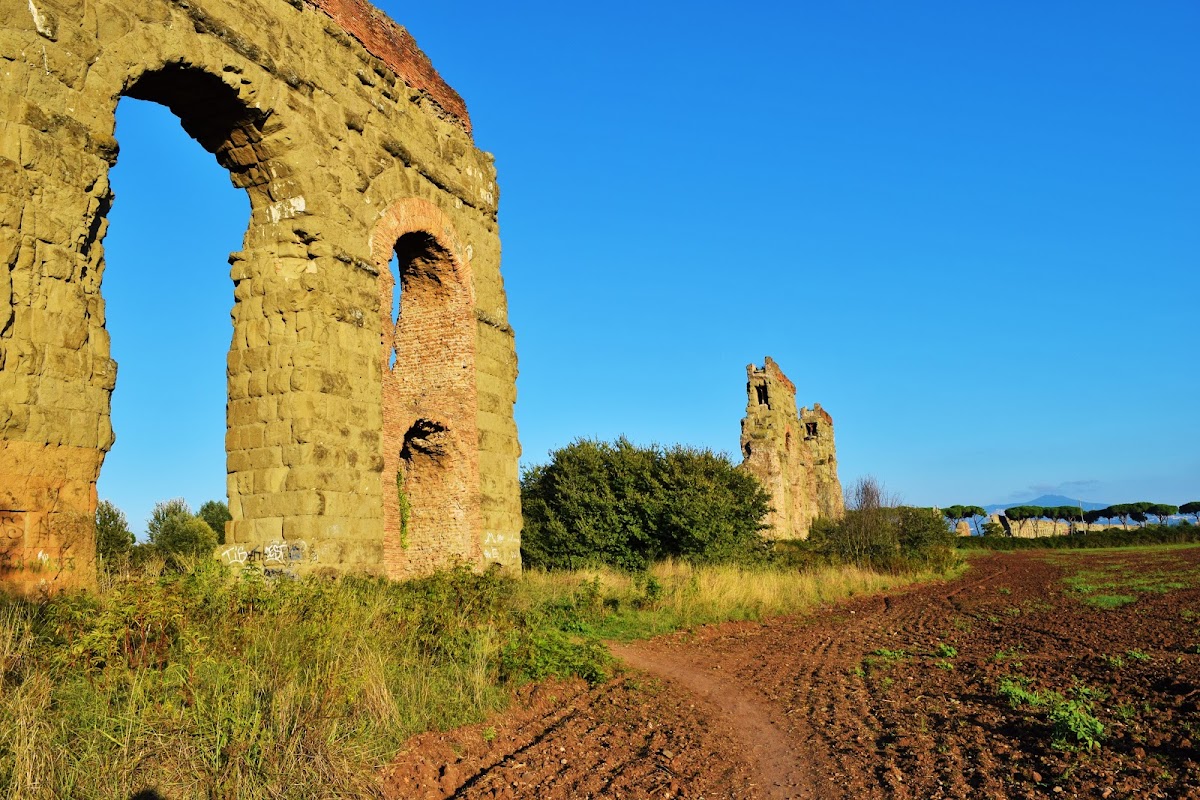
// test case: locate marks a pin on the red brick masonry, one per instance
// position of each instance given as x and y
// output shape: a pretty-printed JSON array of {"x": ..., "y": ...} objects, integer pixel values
[{"x": 395, "y": 46}]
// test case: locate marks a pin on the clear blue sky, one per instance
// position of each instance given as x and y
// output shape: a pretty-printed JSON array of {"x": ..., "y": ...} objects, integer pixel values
[{"x": 970, "y": 231}]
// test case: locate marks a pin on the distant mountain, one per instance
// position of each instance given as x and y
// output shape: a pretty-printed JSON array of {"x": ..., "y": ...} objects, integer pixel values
[{"x": 1047, "y": 500}]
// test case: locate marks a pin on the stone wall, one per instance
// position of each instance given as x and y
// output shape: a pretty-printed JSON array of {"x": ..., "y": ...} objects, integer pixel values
[
  {"x": 1033, "y": 528},
  {"x": 791, "y": 452},
  {"x": 355, "y": 441}
]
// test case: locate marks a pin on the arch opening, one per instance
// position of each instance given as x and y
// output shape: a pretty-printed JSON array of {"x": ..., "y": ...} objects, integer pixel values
[
  {"x": 211, "y": 112},
  {"x": 167, "y": 306},
  {"x": 430, "y": 427}
]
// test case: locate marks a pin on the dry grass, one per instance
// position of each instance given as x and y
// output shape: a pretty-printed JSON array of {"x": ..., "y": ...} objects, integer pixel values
[{"x": 680, "y": 595}]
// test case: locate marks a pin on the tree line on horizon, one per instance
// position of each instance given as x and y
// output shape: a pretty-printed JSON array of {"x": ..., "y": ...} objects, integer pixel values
[{"x": 1124, "y": 512}]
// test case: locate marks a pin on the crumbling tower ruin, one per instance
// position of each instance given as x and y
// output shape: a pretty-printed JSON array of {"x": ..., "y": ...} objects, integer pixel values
[
  {"x": 791, "y": 453},
  {"x": 357, "y": 441}
]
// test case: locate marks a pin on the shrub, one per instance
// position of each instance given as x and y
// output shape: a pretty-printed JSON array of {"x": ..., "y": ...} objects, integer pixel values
[
  {"x": 876, "y": 533},
  {"x": 623, "y": 506},
  {"x": 175, "y": 531},
  {"x": 114, "y": 540},
  {"x": 216, "y": 514}
]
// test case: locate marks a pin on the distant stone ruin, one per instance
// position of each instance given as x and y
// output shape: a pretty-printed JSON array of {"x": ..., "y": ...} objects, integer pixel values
[
  {"x": 356, "y": 441},
  {"x": 791, "y": 453}
]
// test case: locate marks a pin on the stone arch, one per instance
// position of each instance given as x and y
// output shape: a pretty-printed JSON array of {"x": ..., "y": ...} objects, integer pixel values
[
  {"x": 427, "y": 361},
  {"x": 213, "y": 112},
  {"x": 329, "y": 111}
]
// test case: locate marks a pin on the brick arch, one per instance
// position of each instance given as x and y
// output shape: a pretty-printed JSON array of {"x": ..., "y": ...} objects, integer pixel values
[{"x": 430, "y": 479}]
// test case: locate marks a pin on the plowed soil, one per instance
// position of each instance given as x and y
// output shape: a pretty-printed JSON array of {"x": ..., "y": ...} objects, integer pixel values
[{"x": 893, "y": 696}]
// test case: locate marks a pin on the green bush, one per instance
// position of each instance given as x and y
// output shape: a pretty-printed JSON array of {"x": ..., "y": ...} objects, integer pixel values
[
  {"x": 1072, "y": 722},
  {"x": 216, "y": 514},
  {"x": 617, "y": 505},
  {"x": 114, "y": 540},
  {"x": 878, "y": 534},
  {"x": 175, "y": 531}
]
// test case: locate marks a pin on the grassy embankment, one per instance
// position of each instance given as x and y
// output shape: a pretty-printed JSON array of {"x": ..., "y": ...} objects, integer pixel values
[{"x": 199, "y": 684}]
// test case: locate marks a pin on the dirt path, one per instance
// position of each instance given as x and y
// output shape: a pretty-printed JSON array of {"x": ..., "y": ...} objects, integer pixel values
[
  {"x": 777, "y": 771},
  {"x": 882, "y": 697}
]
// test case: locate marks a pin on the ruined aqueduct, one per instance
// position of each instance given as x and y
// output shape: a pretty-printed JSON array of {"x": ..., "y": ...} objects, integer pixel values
[{"x": 355, "y": 440}]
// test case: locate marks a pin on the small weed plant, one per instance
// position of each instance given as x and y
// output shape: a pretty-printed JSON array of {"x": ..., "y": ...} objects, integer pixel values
[{"x": 1071, "y": 720}]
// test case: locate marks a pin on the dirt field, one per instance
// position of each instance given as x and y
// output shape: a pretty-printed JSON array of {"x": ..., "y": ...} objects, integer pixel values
[{"x": 988, "y": 686}]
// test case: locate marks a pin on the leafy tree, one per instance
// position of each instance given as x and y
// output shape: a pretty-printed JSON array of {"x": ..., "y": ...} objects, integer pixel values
[
  {"x": 1162, "y": 511},
  {"x": 1067, "y": 514},
  {"x": 1017, "y": 514},
  {"x": 954, "y": 514},
  {"x": 216, "y": 514},
  {"x": 114, "y": 540},
  {"x": 1022, "y": 514},
  {"x": 1139, "y": 512},
  {"x": 626, "y": 507},
  {"x": 710, "y": 510},
  {"x": 974, "y": 513},
  {"x": 1191, "y": 508},
  {"x": 1093, "y": 516},
  {"x": 991, "y": 528},
  {"x": 1120, "y": 511},
  {"x": 174, "y": 530}
]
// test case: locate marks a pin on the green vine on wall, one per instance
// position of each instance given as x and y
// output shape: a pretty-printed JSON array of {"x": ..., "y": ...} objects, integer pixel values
[{"x": 405, "y": 508}]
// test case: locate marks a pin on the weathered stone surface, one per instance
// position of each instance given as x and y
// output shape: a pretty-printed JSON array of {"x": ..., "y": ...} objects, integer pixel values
[
  {"x": 350, "y": 148},
  {"x": 791, "y": 452}
]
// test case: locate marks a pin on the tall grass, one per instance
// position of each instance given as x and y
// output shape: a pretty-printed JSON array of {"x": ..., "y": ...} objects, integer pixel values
[
  {"x": 676, "y": 595},
  {"x": 200, "y": 685},
  {"x": 196, "y": 683}
]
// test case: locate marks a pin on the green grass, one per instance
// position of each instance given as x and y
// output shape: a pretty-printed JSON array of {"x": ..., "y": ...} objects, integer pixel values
[
  {"x": 890, "y": 655},
  {"x": 1014, "y": 652},
  {"x": 250, "y": 688},
  {"x": 1118, "y": 583}
]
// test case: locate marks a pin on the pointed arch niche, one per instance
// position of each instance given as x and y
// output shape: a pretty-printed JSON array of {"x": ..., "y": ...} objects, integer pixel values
[{"x": 431, "y": 488}]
